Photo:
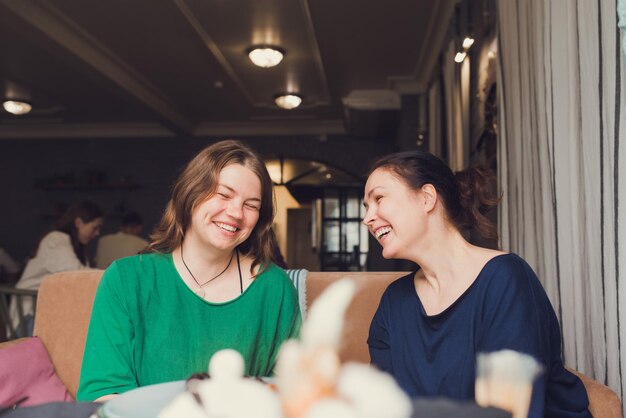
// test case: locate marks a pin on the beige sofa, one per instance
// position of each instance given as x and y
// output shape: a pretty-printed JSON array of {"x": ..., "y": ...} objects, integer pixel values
[{"x": 65, "y": 301}]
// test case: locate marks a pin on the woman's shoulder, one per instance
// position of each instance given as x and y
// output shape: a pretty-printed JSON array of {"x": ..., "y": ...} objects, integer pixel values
[
  {"x": 55, "y": 238},
  {"x": 56, "y": 248},
  {"x": 143, "y": 260},
  {"x": 140, "y": 266},
  {"x": 402, "y": 286},
  {"x": 131, "y": 280},
  {"x": 273, "y": 273},
  {"x": 510, "y": 273},
  {"x": 403, "y": 281},
  {"x": 509, "y": 265}
]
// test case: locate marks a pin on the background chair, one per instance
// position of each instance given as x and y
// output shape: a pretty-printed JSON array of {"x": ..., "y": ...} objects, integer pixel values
[
  {"x": 6, "y": 293},
  {"x": 603, "y": 402}
]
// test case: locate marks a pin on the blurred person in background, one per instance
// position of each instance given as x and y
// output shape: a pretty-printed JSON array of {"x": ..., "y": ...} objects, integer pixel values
[
  {"x": 8, "y": 267},
  {"x": 64, "y": 248},
  {"x": 126, "y": 242}
]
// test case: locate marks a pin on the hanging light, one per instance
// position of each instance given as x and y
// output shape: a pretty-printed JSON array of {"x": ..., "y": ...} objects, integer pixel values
[
  {"x": 460, "y": 56},
  {"x": 288, "y": 101},
  {"x": 17, "y": 107},
  {"x": 265, "y": 56},
  {"x": 468, "y": 41}
]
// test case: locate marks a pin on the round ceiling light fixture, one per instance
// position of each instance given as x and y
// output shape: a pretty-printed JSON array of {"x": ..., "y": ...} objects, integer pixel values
[
  {"x": 266, "y": 56},
  {"x": 17, "y": 107},
  {"x": 288, "y": 100}
]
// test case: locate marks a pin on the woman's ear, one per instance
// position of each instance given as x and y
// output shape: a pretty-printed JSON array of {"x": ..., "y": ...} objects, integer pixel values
[
  {"x": 430, "y": 196},
  {"x": 78, "y": 222}
]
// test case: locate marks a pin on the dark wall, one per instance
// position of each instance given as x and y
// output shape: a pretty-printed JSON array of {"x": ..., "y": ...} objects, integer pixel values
[{"x": 152, "y": 164}]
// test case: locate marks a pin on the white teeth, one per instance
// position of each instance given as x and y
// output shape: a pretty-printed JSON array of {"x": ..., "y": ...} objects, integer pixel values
[
  {"x": 382, "y": 231},
  {"x": 227, "y": 227}
]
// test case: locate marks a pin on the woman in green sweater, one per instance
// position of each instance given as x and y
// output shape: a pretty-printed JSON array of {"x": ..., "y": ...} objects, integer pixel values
[{"x": 207, "y": 283}]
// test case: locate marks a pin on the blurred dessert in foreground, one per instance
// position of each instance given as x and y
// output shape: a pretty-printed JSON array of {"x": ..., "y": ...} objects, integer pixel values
[
  {"x": 226, "y": 394},
  {"x": 311, "y": 381},
  {"x": 505, "y": 380}
]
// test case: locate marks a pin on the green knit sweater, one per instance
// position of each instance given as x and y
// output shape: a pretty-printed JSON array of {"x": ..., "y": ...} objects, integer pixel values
[{"x": 148, "y": 327}]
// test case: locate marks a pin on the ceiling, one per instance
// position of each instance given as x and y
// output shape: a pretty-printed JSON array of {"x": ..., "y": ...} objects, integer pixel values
[{"x": 179, "y": 67}]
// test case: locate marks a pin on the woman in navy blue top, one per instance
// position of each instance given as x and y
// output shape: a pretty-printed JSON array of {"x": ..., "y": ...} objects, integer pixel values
[{"x": 464, "y": 299}]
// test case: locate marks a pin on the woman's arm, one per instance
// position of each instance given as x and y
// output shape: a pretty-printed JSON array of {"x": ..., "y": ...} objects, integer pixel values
[
  {"x": 106, "y": 398},
  {"x": 108, "y": 362},
  {"x": 289, "y": 318},
  {"x": 378, "y": 340},
  {"x": 517, "y": 315}
]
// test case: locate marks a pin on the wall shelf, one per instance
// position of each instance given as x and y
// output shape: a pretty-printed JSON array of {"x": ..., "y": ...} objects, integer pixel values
[
  {"x": 107, "y": 186},
  {"x": 56, "y": 215}
]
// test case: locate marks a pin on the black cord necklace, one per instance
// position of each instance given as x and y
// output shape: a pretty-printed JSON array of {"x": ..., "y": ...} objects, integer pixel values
[
  {"x": 239, "y": 268},
  {"x": 201, "y": 291}
]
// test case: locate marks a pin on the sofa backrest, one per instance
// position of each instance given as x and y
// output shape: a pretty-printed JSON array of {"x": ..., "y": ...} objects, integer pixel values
[
  {"x": 65, "y": 301},
  {"x": 369, "y": 289},
  {"x": 63, "y": 310}
]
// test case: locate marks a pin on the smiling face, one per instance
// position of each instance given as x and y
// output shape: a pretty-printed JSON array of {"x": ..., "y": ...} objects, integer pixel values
[
  {"x": 87, "y": 231},
  {"x": 395, "y": 214},
  {"x": 228, "y": 217}
]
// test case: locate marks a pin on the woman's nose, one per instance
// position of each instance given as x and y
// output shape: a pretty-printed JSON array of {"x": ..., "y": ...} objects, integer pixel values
[
  {"x": 369, "y": 216},
  {"x": 235, "y": 210}
]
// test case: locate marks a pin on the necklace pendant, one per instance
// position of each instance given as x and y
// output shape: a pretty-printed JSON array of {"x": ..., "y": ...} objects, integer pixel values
[{"x": 201, "y": 293}]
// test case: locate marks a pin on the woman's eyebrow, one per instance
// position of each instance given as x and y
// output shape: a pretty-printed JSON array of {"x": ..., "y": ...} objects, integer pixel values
[
  {"x": 226, "y": 187},
  {"x": 371, "y": 191}
]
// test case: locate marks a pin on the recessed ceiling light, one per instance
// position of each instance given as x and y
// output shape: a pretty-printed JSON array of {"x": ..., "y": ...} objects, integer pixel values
[
  {"x": 17, "y": 107},
  {"x": 266, "y": 55},
  {"x": 288, "y": 101}
]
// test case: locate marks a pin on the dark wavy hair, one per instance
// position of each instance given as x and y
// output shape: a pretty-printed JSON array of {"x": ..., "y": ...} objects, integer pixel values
[
  {"x": 87, "y": 211},
  {"x": 198, "y": 182},
  {"x": 466, "y": 195}
]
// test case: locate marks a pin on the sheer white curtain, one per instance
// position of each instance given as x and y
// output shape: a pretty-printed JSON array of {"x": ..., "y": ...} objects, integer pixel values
[
  {"x": 563, "y": 171},
  {"x": 456, "y": 97}
]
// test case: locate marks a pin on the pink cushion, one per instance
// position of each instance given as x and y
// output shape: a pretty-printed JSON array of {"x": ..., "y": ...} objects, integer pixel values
[{"x": 26, "y": 370}]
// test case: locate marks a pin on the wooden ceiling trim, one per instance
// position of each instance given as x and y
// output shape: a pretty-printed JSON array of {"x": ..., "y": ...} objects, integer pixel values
[
  {"x": 269, "y": 127},
  {"x": 228, "y": 48},
  {"x": 310, "y": 27},
  {"x": 75, "y": 40},
  {"x": 212, "y": 46},
  {"x": 435, "y": 38},
  {"x": 84, "y": 131}
]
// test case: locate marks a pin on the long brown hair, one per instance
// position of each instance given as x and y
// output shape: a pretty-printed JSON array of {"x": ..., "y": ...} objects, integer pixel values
[
  {"x": 198, "y": 182},
  {"x": 466, "y": 194},
  {"x": 87, "y": 211}
]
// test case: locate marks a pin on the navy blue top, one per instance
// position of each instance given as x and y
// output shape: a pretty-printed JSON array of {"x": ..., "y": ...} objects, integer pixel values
[{"x": 505, "y": 308}]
